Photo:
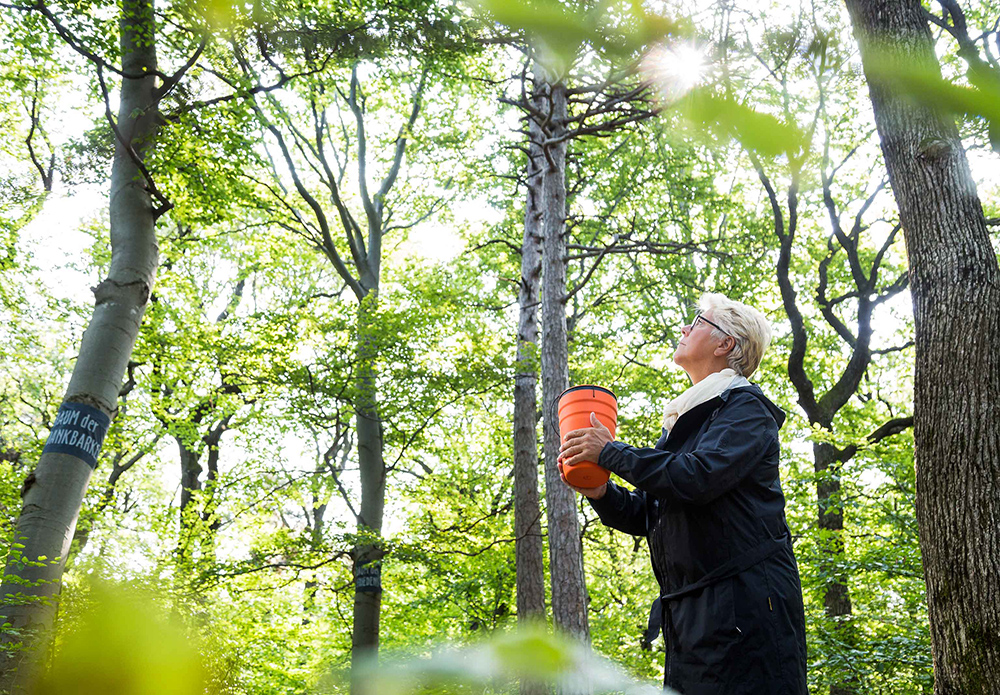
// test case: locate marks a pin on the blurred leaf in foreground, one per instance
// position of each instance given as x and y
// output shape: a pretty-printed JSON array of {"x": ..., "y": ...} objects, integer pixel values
[
  {"x": 533, "y": 654},
  {"x": 621, "y": 27},
  {"x": 725, "y": 117},
  {"x": 924, "y": 85},
  {"x": 671, "y": 65},
  {"x": 123, "y": 645}
]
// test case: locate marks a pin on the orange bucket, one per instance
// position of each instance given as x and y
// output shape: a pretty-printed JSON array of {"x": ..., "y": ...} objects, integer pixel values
[{"x": 575, "y": 406}]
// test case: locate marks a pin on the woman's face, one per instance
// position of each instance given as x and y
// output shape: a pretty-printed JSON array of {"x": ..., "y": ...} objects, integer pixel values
[{"x": 697, "y": 345}]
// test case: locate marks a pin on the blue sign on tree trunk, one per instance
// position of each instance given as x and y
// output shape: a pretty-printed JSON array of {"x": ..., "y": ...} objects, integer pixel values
[{"x": 78, "y": 431}]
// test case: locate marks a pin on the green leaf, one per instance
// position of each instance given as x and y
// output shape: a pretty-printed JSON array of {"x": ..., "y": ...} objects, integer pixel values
[{"x": 760, "y": 132}]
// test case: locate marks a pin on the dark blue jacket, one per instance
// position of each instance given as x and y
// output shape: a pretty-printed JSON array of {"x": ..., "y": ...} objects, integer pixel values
[{"x": 709, "y": 501}]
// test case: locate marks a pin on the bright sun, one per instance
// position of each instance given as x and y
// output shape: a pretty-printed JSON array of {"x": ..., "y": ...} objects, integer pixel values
[{"x": 673, "y": 69}]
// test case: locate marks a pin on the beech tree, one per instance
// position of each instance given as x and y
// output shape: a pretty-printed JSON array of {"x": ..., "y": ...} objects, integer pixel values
[
  {"x": 650, "y": 213},
  {"x": 315, "y": 148},
  {"x": 362, "y": 273},
  {"x": 54, "y": 491}
]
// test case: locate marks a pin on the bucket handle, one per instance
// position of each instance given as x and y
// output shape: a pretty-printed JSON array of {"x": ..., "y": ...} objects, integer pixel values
[{"x": 555, "y": 404}]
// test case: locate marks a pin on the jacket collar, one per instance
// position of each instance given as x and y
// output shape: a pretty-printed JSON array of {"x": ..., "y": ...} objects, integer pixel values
[{"x": 693, "y": 418}]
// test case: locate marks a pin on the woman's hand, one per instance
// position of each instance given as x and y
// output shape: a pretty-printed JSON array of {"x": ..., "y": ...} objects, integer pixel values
[
  {"x": 586, "y": 444},
  {"x": 594, "y": 493}
]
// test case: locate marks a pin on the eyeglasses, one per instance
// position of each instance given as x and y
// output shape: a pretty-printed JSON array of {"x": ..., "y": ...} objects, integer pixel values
[{"x": 698, "y": 317}]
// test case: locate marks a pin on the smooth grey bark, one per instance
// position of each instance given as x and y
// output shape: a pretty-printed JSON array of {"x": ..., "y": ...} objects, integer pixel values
[
  {"x": 569, "y": 591},
  {"x": 361, "y": 271},
  {"x": 528, "y": 545},
  {"x": 367, "y": 604},
  {"x": 955, "y": 285},
  {"x": 53, "y": 493}
]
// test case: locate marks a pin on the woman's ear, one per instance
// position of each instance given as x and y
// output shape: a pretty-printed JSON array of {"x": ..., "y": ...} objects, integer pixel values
[{"x": 726, "y": 346}]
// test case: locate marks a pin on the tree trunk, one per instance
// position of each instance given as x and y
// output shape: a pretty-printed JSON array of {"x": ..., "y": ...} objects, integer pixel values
[
  {"x": 569, "y": 591},
  {"x": 530, "y": 564},
  {"x": 311, "y": 588},
  {"x": 955, "y": 283},
  {"x": 190, "y": 481},
  {"x": 367, "y": 555},
  {"x": 53, "y": 493},
  {"x": 836, "y": 596},
  {"x": 187, "y": 514}
]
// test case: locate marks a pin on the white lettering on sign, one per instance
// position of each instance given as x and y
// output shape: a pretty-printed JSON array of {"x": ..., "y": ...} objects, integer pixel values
[{"x": 78, "y": 430}]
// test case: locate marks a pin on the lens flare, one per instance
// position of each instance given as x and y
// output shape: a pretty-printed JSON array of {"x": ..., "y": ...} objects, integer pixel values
[{"x": 673, "y": 70}]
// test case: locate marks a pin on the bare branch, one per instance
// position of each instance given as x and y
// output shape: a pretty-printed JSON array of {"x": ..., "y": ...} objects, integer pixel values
[
  {"x": 511, "y": 245},
  {"x": 434, "y": 207},
  {"x": 796, "y": 358},
  {"x": 404, "y": 131},
  {"x": 887, "y": 429},
  {"x": 898, "y": 348},
  {"x": 259, "y": 88},
  {"x": 170, "y": 82},
  {"x": 355, "y": 241},
  {"x": 586, "y": 278},
  {"x": 47, "y": 173},
  {"x": 355, "y": 100},
  {"x": 900, "y": 284},
  {"x": 876, "y": 264},
  {"x": 165, "y": 205},
  {"x": 328, "y": 246}
]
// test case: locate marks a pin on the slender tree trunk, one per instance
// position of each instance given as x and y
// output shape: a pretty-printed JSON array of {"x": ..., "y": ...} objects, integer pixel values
[
  {"x": 530, "y": 564},
  {"x": 187, "y": 514},
  {"x": 367, "y": 555},
  {"x": 569, "y": 591},
  {"x": 836, "y": 595},
  {"x": 955, "y": 284},
  {"x": 190, "y": 480},
  {"x": 208, "y": 513},
  {"x": 311, "y": 588},
  {"x": 54, "y": 492}
]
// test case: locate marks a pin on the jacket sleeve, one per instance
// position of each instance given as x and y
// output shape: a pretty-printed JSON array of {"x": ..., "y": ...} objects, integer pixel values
[
  {"x": 623, "y": 510},
  {"x": 735, "y": 440}
]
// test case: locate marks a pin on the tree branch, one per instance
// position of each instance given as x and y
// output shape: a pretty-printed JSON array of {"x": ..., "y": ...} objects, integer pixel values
[
  {"x": 887, "y": 429},
  {"x": 165, "y": 205}
]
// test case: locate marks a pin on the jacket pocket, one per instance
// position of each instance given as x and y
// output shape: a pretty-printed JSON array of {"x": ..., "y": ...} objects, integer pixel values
[{"x": 704, "y": 623}]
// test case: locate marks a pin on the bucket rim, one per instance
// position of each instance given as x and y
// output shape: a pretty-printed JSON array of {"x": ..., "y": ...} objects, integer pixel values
[{"x": 588, "y": 386}]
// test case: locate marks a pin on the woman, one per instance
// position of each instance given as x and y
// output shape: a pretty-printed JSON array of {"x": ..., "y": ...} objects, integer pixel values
[{"x": 708, "y": 499}]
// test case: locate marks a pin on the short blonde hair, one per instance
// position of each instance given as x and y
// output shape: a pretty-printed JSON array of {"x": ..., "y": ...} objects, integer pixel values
[{"x": 746, "y": 325}]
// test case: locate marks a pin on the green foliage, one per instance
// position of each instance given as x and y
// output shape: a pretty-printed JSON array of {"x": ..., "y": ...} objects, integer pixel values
[
  {"x": 622, "y": 28},
  {"x": 124, "y": 638},
  {"x": 923, "y": 84},
  {"x": 627, "y": 28},
  {"x": 756, "y": 131},
  {"x": 122, "y": 642},
  {"x": 264, "y": 584},
  {"x": 533, "y": 654}
]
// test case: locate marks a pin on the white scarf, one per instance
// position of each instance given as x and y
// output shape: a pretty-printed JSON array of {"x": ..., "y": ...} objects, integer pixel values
[{"x": 705, "y": 390}]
